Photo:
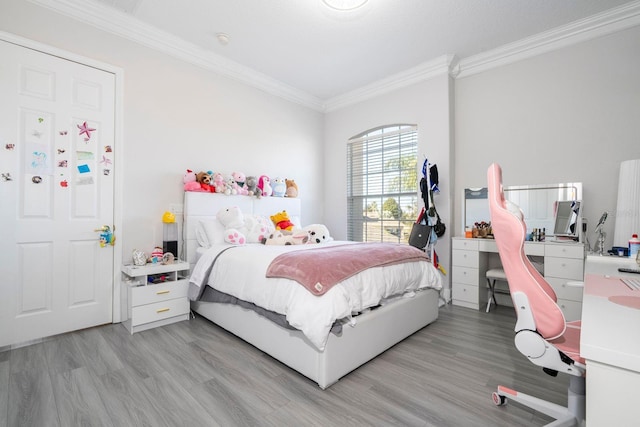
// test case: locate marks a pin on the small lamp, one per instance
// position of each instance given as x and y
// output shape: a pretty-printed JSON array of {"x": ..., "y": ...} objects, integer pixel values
[{"x": 170, "y": 234}]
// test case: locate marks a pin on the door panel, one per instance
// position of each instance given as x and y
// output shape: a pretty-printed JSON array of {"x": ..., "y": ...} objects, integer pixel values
[{"x": 57, "y": 144}]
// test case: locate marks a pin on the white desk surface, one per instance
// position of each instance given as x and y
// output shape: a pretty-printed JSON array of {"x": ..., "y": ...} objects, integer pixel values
[{"x": 610, "y": 314}]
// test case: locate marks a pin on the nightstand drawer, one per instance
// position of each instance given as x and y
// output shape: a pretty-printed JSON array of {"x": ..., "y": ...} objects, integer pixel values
[
  {"x": 159, "y": 311},
  {"x": 161, "y": 292}
]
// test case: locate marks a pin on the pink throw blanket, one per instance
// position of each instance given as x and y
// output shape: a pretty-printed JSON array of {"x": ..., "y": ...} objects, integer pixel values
[{"x": 319, "y": 269}]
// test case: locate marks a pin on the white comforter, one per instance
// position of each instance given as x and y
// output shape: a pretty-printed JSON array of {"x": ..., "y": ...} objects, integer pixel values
[{"x": 240, "y": 271}]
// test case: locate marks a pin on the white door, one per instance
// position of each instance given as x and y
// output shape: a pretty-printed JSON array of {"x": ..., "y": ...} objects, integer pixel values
[{"x": 56, "y": 188}]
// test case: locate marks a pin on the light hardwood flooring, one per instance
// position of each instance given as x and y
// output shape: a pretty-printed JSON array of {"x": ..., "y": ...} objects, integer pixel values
[{"x": 193, "y": 373}]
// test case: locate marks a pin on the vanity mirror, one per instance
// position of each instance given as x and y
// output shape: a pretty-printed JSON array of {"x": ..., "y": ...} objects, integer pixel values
[{"x": 538, "y": 202}]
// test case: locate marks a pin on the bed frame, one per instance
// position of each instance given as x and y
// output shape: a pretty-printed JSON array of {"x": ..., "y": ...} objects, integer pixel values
[{"x": 375, "y": 331}]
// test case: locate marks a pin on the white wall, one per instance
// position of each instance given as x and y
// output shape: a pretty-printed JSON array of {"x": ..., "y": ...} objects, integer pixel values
[
  {"x": 426, "y": 104},
  {"x": 178, "y": 116},
  {"x": 567, "y": 116}
]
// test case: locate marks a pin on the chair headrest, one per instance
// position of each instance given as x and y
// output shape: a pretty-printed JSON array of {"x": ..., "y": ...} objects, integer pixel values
[{"x": 509, "y": 230}]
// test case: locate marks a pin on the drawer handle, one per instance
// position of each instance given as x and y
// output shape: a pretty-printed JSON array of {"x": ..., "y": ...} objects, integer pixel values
[
  {"x": 162, "y": 310},
  {"x": 166, "y": 291}
]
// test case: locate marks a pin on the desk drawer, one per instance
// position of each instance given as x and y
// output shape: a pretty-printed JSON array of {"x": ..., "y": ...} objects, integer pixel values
[
  {"x": 466, "y": 293},
  {"x": 565, "y": 268},
  {"x": 161, "y": 292},
  {"x": 564, "y": 291},
  {"x": 466, "y": 275},
  {"x": 572, "y": 310},
  {"x": 564, "y": 250},
  {"x": 465, "y": 258},
  {"x": 465, "y": 244},
  {"x": 159, "y": 311}
]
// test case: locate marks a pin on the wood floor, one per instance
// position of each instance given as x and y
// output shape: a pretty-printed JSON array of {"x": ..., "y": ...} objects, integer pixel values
[{"x": 193, "y": 373}]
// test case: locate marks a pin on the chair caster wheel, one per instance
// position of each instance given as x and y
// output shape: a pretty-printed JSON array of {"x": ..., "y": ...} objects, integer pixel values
[{"x": 498, "y": 400}]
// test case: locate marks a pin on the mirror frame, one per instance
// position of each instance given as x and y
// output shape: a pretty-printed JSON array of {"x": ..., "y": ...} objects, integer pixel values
[{"x": 572, "y": 190}]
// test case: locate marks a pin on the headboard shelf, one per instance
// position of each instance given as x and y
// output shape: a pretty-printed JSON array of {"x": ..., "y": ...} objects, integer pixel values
[{"x": 204, "y": 206}]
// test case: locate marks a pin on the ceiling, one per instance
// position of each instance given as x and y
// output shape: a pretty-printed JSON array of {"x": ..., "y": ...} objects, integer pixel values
[{"x": 325, "y": 53}]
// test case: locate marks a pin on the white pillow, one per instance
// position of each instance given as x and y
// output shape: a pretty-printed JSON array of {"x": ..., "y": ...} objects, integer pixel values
[{"x": 209, "y": 232}]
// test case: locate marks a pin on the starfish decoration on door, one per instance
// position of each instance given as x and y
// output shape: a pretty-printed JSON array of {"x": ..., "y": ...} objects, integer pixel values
[{"x": 85, "y": 129}]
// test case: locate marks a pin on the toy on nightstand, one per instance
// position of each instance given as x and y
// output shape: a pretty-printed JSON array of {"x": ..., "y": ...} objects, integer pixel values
[{"x": 156, "y": 255}]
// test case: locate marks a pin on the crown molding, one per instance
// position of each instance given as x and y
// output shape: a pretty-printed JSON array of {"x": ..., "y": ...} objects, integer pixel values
[
  {"x": 126, "y": 26},
  {"x": 608, "y": 22},
  {"x": 424, "y": 71}
]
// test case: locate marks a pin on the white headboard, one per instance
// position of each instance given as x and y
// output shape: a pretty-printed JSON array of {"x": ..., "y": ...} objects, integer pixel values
[{"x": 200, "y": 205}]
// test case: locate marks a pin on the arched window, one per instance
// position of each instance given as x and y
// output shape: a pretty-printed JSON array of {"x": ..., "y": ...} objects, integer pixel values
[{"x": 382, "y": 184}]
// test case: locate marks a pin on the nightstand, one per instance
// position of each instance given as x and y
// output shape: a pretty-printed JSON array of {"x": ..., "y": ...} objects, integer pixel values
[{"x": 156, "y": 295}]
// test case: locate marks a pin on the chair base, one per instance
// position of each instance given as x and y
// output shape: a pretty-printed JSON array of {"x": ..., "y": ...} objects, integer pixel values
[{"x": 572, "y": 415}]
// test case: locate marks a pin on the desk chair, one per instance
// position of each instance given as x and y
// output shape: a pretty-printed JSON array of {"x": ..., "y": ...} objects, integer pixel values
[
  {"x": 493, "y": 275},
  {"x": 542, "y": 334}
]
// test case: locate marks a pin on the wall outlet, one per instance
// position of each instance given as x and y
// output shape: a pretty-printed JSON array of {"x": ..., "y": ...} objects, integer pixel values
[{"x": 176, "y": 208}]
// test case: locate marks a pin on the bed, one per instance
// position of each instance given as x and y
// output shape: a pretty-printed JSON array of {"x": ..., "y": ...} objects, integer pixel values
[{"x": 324, "y": 358}]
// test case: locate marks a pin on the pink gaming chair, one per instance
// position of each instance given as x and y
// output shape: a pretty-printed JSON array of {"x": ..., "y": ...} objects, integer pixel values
[{"x": 542, "y": 334}]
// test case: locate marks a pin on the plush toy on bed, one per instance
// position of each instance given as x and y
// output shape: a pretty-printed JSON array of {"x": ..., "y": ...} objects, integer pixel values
[
  {"x": 318, "y": 233},
  {"x": 252, "y": 187},
  {"x": 279, "y": 238},
  {"x": 281, "y": 221},
  {"x": 292, "y": 188},
  {"x": 240, "y": 228}
]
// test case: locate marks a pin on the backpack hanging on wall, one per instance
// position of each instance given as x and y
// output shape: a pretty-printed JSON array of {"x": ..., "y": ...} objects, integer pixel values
[{"x": 429, "y": 184}]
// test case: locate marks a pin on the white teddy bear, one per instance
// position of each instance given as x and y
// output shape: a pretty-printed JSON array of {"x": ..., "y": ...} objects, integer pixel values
[
  {"x": 241, "y": 229},
  {"x": 318, "y": 233}
]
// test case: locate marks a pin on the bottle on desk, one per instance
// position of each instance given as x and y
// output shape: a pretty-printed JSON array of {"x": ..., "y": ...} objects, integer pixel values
[{"x": 634, "y": 246}]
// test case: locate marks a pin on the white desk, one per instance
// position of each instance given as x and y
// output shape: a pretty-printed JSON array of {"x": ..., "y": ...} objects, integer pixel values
[
  {"x": 562, "y": 263},
  {"x": 610, "y": 343}
]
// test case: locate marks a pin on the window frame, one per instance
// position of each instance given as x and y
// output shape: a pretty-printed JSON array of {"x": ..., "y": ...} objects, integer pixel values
[{"x": 382, "y": 163}]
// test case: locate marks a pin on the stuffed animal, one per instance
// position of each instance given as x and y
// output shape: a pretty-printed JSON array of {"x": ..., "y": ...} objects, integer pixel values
[
  {"x": 278, "y": 186},
  {"x": 292, "y": 188},
  {"x": 264, "y": 184},
  {"x": 318, "y": 233},
  {"x": 218, "y": 183},
  {"x": 240, "y": 228},
  {"x": 252, "y": 187},
  {"x": 190, "y": 182},
  {"x": 231, "y": 188},
  {"x": 204, "y": 178},
  {"x": 156, "y": 255},
  {"x": 281, "y": 221},
  {"x": 279, "y": 238},
  {"x": 240, "y": 181}
]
